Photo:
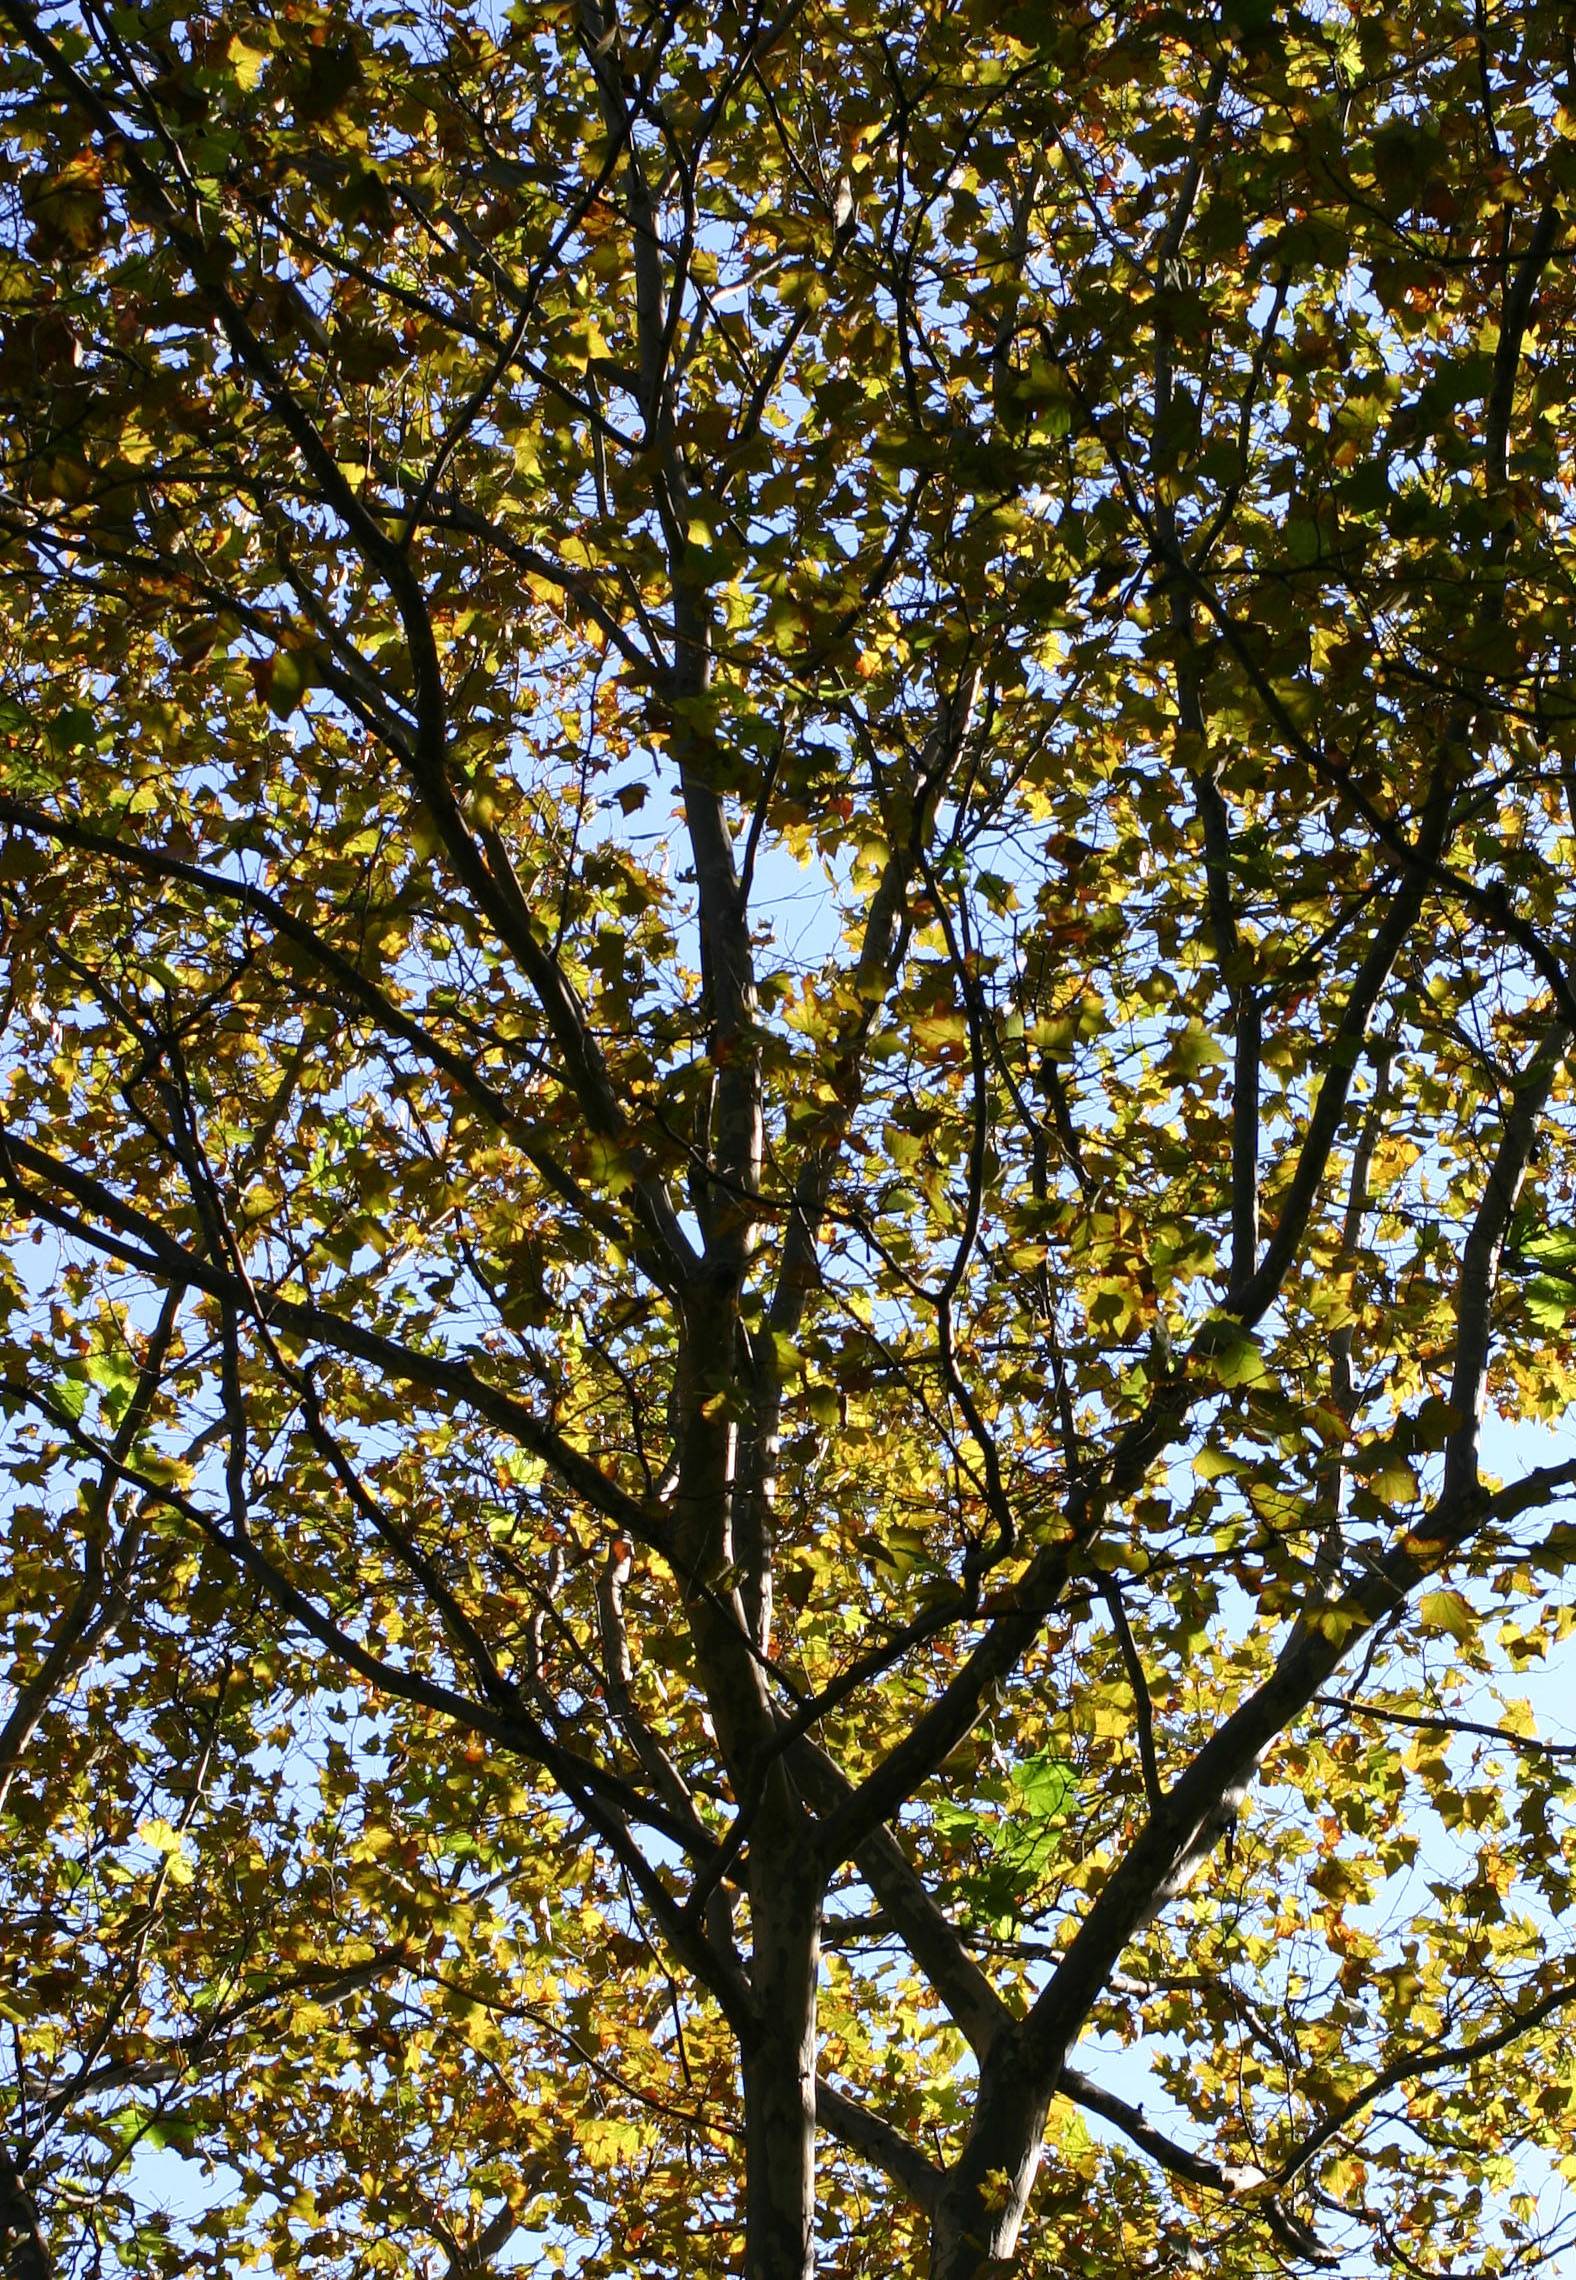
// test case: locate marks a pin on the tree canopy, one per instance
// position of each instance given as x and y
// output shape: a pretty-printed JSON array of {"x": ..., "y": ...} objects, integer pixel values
[{"x": 789, "y": 803}]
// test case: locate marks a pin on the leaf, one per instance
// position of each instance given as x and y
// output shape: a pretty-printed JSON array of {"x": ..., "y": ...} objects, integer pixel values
[
  {"x": 1449, "y": 1612},
  {"x": 286, "y": 679},
  {"x": 246, "y": 62},
  {"x": 71, "y": 728},
  {"x": 1192, "y": 1051},
  {"x": 1045, "y": 1786},
  {"x": 164, "y": 1838},
  {"x": 1232, "y": 1355},
  {"x": 70, "y": 1394},
  {"x": 1214, "y": 1464},
  {"x": 165, "y": 1471}
]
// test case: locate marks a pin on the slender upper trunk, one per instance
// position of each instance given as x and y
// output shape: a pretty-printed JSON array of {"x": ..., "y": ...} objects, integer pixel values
[{"x": 779, "y": 2070}]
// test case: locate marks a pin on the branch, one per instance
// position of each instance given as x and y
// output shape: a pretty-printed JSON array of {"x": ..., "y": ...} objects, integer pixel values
[
  {"x": 101, "y": 1593},
  {"x": 1329, "y": 1492},
  {"x": 936, "y": 1733},
  {"x": 877, "y": 2142},
  {"x": 1480, "y": 1257},
  {"x": 617, "y": 1675},
  {"x": 1430, "y": 2059},
  {"x": 933, "y": 1941},
  {"x": 481, "y": 862},
  {"x": 354, "y": 987},
  {"x": 324, "y": 1984},
  {"x": 881, "y": 949},
  {"x": 1217, "y": 1776},
  {"x": 1246, "y": 1014},
  {"x": 471, "y": 2262},
  {"x": 1240, "y": 2183},
  {"x": 980, "y": 1558},
  {"x": 129, "y": 1234},
  {"x": 653, "y": 669},
  {"x": 1521, "y": 1745},
  {"x": 1253, "y": 1300},
  {"x": 883, "y": 943},
  {"x": 1132, "y": 1662},
  {"x": 1515, "y": 315},
  {"x": 594, "y": 1790}
]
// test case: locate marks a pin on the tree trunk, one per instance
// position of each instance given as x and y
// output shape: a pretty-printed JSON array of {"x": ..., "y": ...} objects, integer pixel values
[
  {"x": 978, "y": 2217},
  {"x": 779, "y": 2073},
  {"x": 23, "y": 2255}
]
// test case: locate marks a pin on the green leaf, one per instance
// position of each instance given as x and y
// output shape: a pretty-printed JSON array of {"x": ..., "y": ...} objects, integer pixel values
[
  {"x": 70, "y": 1394},
  {"x": 1193, "y": 1051},
  {"x": 1045, "y": 1786},
  {"x": 1232, "y": 1355}
]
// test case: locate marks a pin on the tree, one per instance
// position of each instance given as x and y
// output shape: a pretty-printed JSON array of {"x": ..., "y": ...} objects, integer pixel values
[{"x": 788, "y": 806}]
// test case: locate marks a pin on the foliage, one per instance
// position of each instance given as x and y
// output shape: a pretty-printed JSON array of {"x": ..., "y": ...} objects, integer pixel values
[{"x": 787, "y": 871}]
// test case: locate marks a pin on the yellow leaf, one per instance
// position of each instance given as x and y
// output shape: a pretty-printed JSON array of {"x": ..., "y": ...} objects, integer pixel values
[
  {"x": 166, "y": 1472},
  {"x": 246, "y": 63},
  {"x": 163, "y": 1837},
  {"x": 1448, "y": 1611}
]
